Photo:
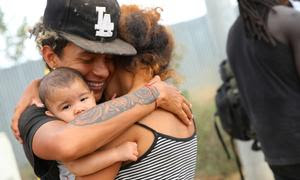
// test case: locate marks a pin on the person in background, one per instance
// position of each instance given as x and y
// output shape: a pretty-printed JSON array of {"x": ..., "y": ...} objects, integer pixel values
[
  {"x": 82, "y": 35},
  {"x": 263, "y": 48}
]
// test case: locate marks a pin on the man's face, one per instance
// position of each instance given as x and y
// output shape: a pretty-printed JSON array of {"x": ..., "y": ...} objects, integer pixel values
[
  {"x": 67, "y": 103},
  {"x": 95, "y": 68}
]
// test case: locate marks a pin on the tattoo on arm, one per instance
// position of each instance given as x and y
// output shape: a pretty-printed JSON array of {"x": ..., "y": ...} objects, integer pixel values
[{"x": 107, "y": 110}]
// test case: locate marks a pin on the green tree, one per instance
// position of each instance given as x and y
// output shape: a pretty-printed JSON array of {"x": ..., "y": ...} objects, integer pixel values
[
  {"x": 14, "y": 43},
  {"x": 2, "y": 26}
]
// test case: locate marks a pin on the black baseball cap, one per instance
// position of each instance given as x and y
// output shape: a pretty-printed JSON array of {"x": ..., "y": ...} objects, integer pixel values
[{"x": 90, "y": 24}]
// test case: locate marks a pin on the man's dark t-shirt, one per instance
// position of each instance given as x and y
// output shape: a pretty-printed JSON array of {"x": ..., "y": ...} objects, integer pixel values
[
  {"x": 31, "y": 120},
  {"x": 270, "y": 92}
]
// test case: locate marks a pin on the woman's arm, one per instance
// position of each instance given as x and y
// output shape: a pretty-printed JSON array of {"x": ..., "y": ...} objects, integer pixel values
[{"x": 102, "y": 159}]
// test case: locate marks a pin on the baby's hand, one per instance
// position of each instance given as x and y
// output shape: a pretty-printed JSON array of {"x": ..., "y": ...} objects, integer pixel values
[{"x": 127, "y": 151}]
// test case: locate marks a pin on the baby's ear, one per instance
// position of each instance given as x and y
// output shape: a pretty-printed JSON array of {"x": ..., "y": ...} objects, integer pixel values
[{"x": 48, "y": 113}]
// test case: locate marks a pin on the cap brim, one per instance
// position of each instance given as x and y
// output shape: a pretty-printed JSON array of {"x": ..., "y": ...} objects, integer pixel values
[{"x": 116, "y": 47}]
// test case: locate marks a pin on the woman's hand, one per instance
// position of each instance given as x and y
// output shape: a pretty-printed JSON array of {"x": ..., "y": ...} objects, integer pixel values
[
  {"x": 29, "y": 97},
  {"x": 171, "y": 99}
]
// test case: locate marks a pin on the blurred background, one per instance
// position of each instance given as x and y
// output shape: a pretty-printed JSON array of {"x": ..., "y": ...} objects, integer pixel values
[{"x": 200, "y": 28}]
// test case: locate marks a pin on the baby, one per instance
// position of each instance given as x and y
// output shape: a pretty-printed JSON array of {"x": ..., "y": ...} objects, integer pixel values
[{"x": 65, "y": 95}]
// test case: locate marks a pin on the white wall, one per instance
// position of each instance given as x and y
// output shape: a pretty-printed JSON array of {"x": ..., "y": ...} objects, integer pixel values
[{"x": 8, "y": 164}]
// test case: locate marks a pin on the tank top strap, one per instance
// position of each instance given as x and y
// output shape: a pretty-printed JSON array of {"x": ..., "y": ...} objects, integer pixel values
[{"x": 146, "y": 127}]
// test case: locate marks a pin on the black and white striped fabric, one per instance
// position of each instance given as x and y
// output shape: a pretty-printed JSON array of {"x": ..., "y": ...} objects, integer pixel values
[{"x": 167, "y": 158}]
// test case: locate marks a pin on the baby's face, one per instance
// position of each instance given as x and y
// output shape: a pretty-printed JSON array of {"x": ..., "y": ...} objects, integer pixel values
[{"x": 67, "y": 103}]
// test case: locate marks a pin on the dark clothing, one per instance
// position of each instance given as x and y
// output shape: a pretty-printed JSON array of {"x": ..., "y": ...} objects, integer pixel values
[
  {"x": 270, "y": 91},
  {"x": 31, "y": 120},
  {"x": 290, "y": 172}
]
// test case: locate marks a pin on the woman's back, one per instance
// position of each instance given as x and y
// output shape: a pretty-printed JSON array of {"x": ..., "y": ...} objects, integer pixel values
[{"x": 167, "y": 149}]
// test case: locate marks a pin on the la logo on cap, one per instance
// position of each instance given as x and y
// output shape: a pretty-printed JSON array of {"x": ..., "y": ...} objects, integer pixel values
[{"x": 105, "y": 27}]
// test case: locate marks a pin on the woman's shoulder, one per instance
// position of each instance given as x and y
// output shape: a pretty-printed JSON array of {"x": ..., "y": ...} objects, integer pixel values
[
  {"x": 159, "y": 121},
  {"x": 167, "y": 123}
]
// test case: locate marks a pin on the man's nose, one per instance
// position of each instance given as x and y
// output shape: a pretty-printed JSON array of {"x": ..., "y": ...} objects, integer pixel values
[{"x": 100, "y": 67}]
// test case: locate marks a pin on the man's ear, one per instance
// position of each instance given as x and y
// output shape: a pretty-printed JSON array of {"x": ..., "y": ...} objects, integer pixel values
[
  {"x": 50, "y": 56},
  {"x": 48, "y": 113}
]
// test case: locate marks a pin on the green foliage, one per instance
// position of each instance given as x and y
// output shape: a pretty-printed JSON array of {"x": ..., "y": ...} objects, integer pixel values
[
  {"x": 2, "y": 26},
  {"x": 26, "y": 172},
  {"x": 14, "y": 43},
  {"x": 186, "y": 94},
  {"x": 212, "y": 160},
  {"x": 177, "y": 55}
]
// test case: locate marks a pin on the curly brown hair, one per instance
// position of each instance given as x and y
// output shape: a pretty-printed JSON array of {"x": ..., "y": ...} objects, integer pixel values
[{"x": 154, "y": 42}]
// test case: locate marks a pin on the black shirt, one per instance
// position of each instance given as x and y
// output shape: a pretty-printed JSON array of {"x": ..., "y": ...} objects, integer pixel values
[
  {"x": 31, "y": 120},
  {"x": 270, "y": 91}
]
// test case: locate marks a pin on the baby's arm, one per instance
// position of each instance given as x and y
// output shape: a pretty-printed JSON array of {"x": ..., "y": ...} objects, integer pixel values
[{"x": 101, "y": 159}]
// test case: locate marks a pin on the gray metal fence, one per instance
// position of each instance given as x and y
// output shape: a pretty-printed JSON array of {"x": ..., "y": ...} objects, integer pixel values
[{"x": 12, "y": 83}]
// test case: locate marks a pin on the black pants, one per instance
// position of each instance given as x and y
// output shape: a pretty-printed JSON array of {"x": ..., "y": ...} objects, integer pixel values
[{"x": 287, "y": 172}]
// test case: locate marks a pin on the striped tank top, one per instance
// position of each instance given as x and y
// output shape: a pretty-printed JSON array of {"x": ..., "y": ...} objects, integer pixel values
[{"x": 167, "y": 158}]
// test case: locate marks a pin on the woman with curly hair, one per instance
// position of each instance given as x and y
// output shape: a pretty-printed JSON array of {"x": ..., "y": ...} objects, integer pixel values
[{"x": 167, "y": 148}]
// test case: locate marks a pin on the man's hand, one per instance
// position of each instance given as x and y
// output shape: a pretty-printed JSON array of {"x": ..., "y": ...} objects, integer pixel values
[
  {"x": 172, "y": 100},
  {"x": 29, "y": 97}
]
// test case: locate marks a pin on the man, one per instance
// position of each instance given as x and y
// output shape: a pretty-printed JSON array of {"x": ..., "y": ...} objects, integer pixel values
[
  {"x": 82, "y": 34},
  {"x": 264, "y": 51}
]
